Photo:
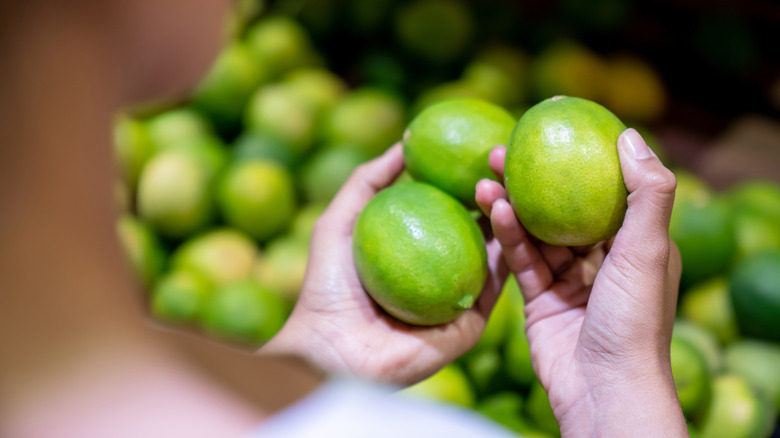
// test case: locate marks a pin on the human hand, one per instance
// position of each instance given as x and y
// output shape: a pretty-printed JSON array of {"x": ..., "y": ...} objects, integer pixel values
[
  {"x": 599, "y": 318},
  {"x": 338, "y": 326}
]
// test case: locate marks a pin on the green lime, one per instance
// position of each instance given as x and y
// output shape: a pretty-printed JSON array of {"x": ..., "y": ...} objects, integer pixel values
[
  {"x": 175, "y": 192},
  {"x": 304, "y": 220},
  {"x": 760, "y": 196},
  {"x": 634, "y": 90},
  {"x": 709, "y": 305},
  {"x": 180, "y": 126},
  {"x": 447, "y": 145},
  {"x": 735, "y": 411},
  {"x": 568, "y": 68},
  {"x": 755, "y": 293},
  {"x": 221, "y": 256},
  {"x": 449, "y": 385},
  {"x": 244, "y": 312},
  {"x": 282, "y": 111},
  {"x": 483, "y": 369},
  {"x": 539, "y": 411},
  {"x": 133, "y": 148},
  {"x": 281, "y": 44},
  {"x": 180, "y": 296},
  {"x": 505, "y": 408},
  {"x": 321, "y": 87},
  {"x": 263, "y": 146},
  {"x": 758, "y": 363},
  {"x": 500, "y": 72},
  {"x": 435, "y": 30},
  {"x": 371, "y": 120},
  {"x": 691, "y": 377},
  {"x": 563, "y": 174},
  {"x": 419, "y": 253},
  {"x": 257, "y": 197},
  {"x": 283, "y": 265},
  {"x": 504, "y": 317},
  {"x": 457, "y": 89},
  {"x": 327, "y": 170},
  {"x": 142, "y": 249},
  {"x": 757, "y": 216},
  {"x": 704, "y": 341}
]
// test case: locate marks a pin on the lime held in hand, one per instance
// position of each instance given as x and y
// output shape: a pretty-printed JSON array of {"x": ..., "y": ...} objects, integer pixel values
[
  {"x": 419, "y": 254},
  {"x": 563, "y": 174}
]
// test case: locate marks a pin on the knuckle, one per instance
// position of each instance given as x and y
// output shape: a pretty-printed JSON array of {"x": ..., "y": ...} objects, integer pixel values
[{"x": 662, "y": 180}]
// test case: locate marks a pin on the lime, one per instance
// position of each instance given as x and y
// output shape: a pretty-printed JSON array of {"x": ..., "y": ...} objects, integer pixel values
[
  {"x": 175, "y": 192},
  {"x": 281, "y": 44},
  {"x": 458, "y": 89},
  {"x": 735, "y": 411},
  {"x": 483, "y": 369},
  {"x": 504, "y": 317},
  {"x": 449, "y": 385},
  {"x": 755, "y": 292},
  {"x": 321, "y": 87},
  {"x": 704, "y": 341},
  {"x": 263, "y": 146},
  {"x": 691, "y": 377},
  {"x": 304, "y": 220},
  {"x": 757, "y": 216},
  {"x": 568, "y": 68},
  {"x": 758, "y": 363},
  {"x": 539, "y": 412},
  {"x": 447, "y": 145},
  {"x": 257, "y": 197},
  {"x": 133, "y": 148},
  {"x": 370, "y": 119},
  {"x": 633, "y": 89},
  {"x": 505, "y": 408},
  {"x": 500, "y": 72},
  {"x": 562, "y": 172},
  {"x": 282, "y": 111},
  {"x": 283, "y": 265},
  {"x": 221, "y": 256},
  {"x": 178, "y": 126},
  {"x": 435, "y": 30},
  {"x": 179, "y": 296},
  {"x": 517, "y": 352},
  {"x": 327, "y": 170},
  {"x": 760, "y": 196},
  {"x": 419, "y": 253},
  {"x": 244, "y": 312},
  {"x": 142, "y": 249},
  {"x": 709, "y": 305}
]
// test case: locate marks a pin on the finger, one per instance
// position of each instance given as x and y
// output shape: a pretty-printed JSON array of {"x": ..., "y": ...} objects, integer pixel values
[
  {"x": 521, "y": 255},
  {"x": 364, "y": 183},
  {"x": 487, "y": 193},
  {"x": 558, "y": 258},
  {"x": 496, "y": 161}
]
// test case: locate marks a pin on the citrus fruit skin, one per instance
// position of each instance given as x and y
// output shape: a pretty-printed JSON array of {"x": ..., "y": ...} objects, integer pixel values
[
  {"x": 447, "y": 144},
  {"x": 563, "y": 174},
  {"x": 755, "y": 292},
  {"x": 222, "y": 256},
  {"x": 449, "y": 385},
  {"x": 691, "y": 376},
  {"x": 419, "y": 254}
]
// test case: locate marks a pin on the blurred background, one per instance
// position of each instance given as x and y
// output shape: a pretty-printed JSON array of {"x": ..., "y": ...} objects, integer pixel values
[{"x": 218, "y": 191}]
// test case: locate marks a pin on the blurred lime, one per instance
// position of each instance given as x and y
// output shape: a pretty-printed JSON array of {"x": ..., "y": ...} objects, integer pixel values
[
  {"x": 281, "y": 44},
  {"x": 458, "y": 89},
  {"x": 327, "y": 170},
  {"x": 222, "y": 256},
  {"x": 447, "y": 145},
  {"x": 505, "y": 408},
  {"x": 633, "y": 89},
  {"x": 176, "y": 127},
  {"x": 244, "y": 312},
  {"x": 369, "y": 119},
  {"x": 133, "y": 148},
  {"x": 539, "y": 412},
  {"x": 283, "y": 265},
  {"x": 735, "y": 411},
  {"x": 367, "y": 17},
  {"x": 282, "y": 111},
  {"x": 506, "y": 312},
  {"x": 321, "y": 87},
  {"x": 483, "y": 368},
  {"x": 691, "y": 377},
  {"x": 517, "y": 353},
  {"x": 500, "y": 72},
  {"x": 304, "y": 220},
  {"x": 449, "y": 385},
  {"x": 263, "y": 146},
  {"x": 755, "y": 293},
  {"x": 568, "y": 68},
  {"x": 709, "y": 305},
  {"x": 435, "y": 30},
  {"x": 142, "y": 249},
  {"x": 257, "y": 197},
  {"x": 179, "y": 297},
  {"x": 757, "y": 216},
  {"x": 382, "y": 70},
  {"x": 175, "y": 192},
  {"x": 226, "y": 88},
  {"x": 704, "y": 341},
  {"x": 758, "y": 363},
  {"x": 759, "y": 196},
  {"x": 419, "y": 254},
  {"x": 702, "y": 226}
]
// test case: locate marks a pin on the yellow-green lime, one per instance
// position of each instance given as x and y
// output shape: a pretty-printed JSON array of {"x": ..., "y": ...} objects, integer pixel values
[
  {"x": 180, "y": 296},
  {"x": 282, "y": 44},
  {"x": 264, "y": 146},
  {"x": 505, "y": 408},
  {"x": 735, "y": 411},
  {"x": 448, "y": 385},
  {"x": 500, "y": 72},
  {"x": 709, "y": 305},
  {"x": 222, "y": 256},
  {"x": 758, "y": 363},
  {"x": 326, "y": 170},
  {"x": 435, "y": 30},
  {"x": 133, "y": 148},
  {"x": 257, "y": 197},
  {"x": 457, "y": 89},
  {"x": 304, "y": 220},
  {"x": 483, "y": 368},
  {"x": 691, "y": 377},
  {"x": 283, "y": 265},
  {"x": 755, "y": 293},
  {"x": 539, "y": 411},
  {"x": 562, "y": 172},
  {"x": 447, "y": 145},
  {"x": 180, "y": 126},
  {"x": 517, "y": 353},
  {"x": 323, "y": 88},
  {"x": 142, "y": 249},
  {"x": 568, "y": 68},
  {"x": 703, "y": 340},
  {"x": 419, "y": 254}
]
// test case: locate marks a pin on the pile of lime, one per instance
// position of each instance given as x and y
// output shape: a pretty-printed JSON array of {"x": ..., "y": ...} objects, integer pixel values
[{"x": 219, "y": 193}]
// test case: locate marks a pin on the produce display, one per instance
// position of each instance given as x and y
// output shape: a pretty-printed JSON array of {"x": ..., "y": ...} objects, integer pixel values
[{"x": 219, "y": 192}]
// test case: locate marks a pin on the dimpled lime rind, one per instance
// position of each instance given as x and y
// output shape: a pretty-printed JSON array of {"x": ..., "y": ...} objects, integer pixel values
[
  {"x": 563, "y": 174},
  {"x": 447, "y": 144},
  {"x": 419, "y": 254}
]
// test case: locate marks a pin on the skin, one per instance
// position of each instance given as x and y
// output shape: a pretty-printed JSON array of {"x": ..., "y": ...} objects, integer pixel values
[{"x": 84, "y": 360}]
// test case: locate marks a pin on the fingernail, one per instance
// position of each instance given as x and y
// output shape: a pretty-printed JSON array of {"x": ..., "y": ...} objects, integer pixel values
[{"x": 635, "y": 144}]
